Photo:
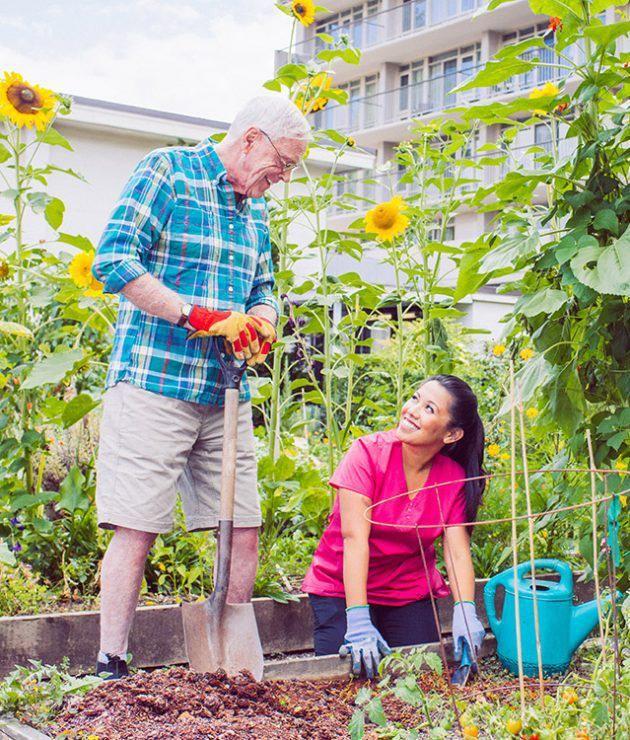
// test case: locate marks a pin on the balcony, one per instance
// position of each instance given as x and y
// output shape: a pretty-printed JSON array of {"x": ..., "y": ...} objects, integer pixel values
[
  {"x": 388, "y": 25},
  {"x": 425, "y": 98}
]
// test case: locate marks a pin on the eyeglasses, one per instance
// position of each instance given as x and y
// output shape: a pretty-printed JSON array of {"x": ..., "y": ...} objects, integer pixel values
[{"x": 286, "y": 166}]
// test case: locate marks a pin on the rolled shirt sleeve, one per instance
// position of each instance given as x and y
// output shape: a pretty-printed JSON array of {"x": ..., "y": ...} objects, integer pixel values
[
  {"x": 355, "y": 472},
  {"x": 264, "y": 284},
  {"x": 135, "y": 224}
]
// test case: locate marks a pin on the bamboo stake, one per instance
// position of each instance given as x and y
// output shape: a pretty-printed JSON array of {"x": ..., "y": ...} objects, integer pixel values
[
  {"x": 519, "y": 646},
  {"x": 598, "y": 595},
  {"x": 612, "y": 582},
  {"x": 532, "y": 558}
]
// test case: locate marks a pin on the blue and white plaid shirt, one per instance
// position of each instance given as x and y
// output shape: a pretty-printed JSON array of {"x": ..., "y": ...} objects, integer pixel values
[{"x": 178, "y": 218}]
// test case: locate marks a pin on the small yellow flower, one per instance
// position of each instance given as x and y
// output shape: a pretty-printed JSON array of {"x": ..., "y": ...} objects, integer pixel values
[
  {"x": 95, "y": 290},
  {"x": 498, "y": 350},
  {"x": 548, "y": 91},
  {"x": 570, "y": 696},
  {"x": 526, "y": 354},
  {"x": 351, "y": 142},
  {"x": 304, "y": 11},
  {"x": 621, "y": 464},
  {"x": 504, "y": 456},
  {"x": 387, "y": 219},
  {"x": 161, "y": 566},
  {"x": 494, "y": 450},
  {"x": 309, "y": 100},
  {"x": 80, "y": 269},
  {"x": 25, "y": 104},
  {"x": 531, "y": 413},
  {"x": 4, "y": 270},
  {"x": 624, "y": 501}
]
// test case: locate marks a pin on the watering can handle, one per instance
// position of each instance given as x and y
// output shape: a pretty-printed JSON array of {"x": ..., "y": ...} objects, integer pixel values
[
  {"x": 559, "y": 566},
  {"x": 488, "y": 599}
]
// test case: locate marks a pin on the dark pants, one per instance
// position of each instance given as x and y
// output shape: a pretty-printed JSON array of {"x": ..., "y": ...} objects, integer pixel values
[{"x": 411, "y": 624}]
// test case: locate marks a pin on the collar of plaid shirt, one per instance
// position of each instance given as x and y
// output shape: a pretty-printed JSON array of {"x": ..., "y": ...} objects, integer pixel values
[{"x": 179, "y": 218}]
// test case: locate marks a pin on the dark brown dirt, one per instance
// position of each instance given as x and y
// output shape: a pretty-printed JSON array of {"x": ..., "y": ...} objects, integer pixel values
[
  {"x": 176, "y": 703},
  {"x": 180, "y": 704}
]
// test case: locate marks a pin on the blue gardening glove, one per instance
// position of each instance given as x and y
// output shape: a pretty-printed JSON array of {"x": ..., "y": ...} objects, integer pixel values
[
  {"x": 466, "y": 627},
  {"x": 363, "y": 641}
]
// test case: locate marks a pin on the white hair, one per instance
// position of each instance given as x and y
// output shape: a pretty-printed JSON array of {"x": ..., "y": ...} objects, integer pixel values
[{"x": 276, "y": 115}]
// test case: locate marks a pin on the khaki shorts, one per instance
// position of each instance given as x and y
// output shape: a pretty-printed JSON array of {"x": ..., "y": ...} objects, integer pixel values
[{"x": 152, "y": 447}]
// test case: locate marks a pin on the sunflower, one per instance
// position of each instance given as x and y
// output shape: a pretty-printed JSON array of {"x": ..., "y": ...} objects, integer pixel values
[
  {"x": 387, "y": 220},
  {"x": 308, "y": 101},
  {"x": 498, "y": 350},
  {"x": 304, "y": 11},
  {"x": 95, "y": 290},
  {"x": 526, "y": 354},
  {"x": 25, "y": 104},
  {"x": 494, "y": 450},
  {"x": 548, "y": 90},
  {"x": 531, "y": 413},
  {"x": 80, "y": 269}
]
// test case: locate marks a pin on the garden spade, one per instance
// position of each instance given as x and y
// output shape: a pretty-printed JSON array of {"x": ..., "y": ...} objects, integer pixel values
[
  {"x": 466, "y": 667},
  {"x": 218, "y": 634}
]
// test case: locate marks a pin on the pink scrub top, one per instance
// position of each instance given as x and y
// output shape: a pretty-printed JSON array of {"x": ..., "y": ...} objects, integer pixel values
[{"x": 373, "y": 466}]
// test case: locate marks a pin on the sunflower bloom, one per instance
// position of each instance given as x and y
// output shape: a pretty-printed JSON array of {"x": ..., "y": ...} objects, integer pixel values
[
  {"x": 621, "y": 464},
  {"x": 531, "y": 413},
  {"x": 548, "y": 90},
  {"x": 304, "y": 11},
  {"x": 80, "y": 269},
  {"x": 25, "y": 104},
  {"x": 498, "y": 350},
  {"x": 309, "y": 100},
  {"x": 494, "y": 450},
  {"x": 526, "y": 354},
  {"x": 95, "y": 290},
  {"x": 387, "y": 219}
]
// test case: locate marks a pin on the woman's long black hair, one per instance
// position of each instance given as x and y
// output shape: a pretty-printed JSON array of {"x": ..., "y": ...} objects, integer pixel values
[{"x": 467, "y": 451}]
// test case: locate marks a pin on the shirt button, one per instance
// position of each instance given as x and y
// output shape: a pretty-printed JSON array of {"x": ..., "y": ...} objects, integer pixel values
[
  {"x": 230, "y": 289},
  {"x": 231, "y": 258},
  {"x": 231, "y": 226}
]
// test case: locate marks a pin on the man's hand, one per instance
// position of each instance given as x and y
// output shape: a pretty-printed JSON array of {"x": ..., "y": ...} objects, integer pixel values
[
  {"x": 239, "y": 329},
  {"x": 267, "y": 335}
]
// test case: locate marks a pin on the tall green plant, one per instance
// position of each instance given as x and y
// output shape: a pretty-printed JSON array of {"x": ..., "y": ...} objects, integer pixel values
[{"x": 561, "y": 226}]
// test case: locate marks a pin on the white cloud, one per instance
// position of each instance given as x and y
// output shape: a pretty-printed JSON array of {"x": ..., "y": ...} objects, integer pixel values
[{"x": 204, "y": 64}]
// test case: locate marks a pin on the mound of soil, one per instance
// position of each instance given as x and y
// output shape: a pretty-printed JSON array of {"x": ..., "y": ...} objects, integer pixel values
[
  {"x": 179, "y": 703},
  {"x": 176, "y": 703}
]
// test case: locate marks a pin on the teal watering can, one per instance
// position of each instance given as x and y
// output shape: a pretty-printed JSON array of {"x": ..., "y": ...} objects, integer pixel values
[{"x": 563, "y": 626}]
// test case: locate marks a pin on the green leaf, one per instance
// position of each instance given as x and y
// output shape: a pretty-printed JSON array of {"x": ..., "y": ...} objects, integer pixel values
[
  {"x": 54, "y": 138},
  {"x": 533, "y": 375},
  {"x": 53, "y": 369},
  {"x": 18, "y": 330},
  {"x": 356, "y": 727},
  {"x": 606, "y": 34},
  {"x": 605, "y": 270},
  {"x": 376, "y": 712},
  {"x": 77, "y": 408},
  {"x": 606, "y": 219},
  {"x": 511, "y": 250},
  {"x": 76, "y": 240},
  {"x": 559, "y": 8},
  {"x": 546, "y": 301},
  {"x": 72, "y": 494},
  {"x": 6, "y": 556},
  {"x": 54, "y": 212},
  {"x": 515, "y": 50},
  {"x": 4, "y": 153},
  {"x": 495, "y": 72}
]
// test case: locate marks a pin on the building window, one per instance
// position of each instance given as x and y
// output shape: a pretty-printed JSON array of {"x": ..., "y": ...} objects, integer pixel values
[
  {"x": 435, "y": 233},
  {"x": 414, "y": 14},
  {"x": 358, "y": 22}
]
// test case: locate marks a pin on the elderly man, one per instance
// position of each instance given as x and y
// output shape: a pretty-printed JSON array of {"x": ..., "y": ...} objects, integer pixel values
[{"x": 188, "y": 249}]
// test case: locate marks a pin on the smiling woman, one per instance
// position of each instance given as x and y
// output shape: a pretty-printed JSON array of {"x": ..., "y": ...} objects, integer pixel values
[{"x": 370, "y": 586}]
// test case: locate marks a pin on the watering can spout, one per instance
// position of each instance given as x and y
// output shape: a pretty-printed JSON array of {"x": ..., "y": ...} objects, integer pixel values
[{"x": 583, "y": 619}]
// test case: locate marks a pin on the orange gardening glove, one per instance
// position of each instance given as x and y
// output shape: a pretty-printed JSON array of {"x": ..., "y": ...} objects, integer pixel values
[
  {"x": 267, "y": 336},
  {"x": 237, "y": 328}
]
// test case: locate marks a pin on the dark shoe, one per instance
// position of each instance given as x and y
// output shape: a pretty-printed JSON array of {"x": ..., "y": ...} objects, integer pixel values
[{"x": 116, "y": 667}]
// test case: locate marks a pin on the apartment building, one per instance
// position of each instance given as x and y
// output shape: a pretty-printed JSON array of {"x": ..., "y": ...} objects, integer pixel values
[{"x": 414, "y": 54}]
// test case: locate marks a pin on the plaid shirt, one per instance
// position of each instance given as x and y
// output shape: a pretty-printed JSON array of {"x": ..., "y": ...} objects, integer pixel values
[{"x": 178, "y": 218}]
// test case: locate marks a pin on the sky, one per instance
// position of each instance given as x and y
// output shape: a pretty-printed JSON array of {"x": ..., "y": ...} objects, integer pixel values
[{"x": 196, "y": 57}]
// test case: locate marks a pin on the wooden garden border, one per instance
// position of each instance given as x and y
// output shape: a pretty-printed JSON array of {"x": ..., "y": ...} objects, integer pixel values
[{"x": 157, "y": 635}]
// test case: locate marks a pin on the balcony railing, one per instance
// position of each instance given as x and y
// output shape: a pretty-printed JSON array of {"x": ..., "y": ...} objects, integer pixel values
[
  {"x": 389, "y": 24},
  {"x": 430, "y": 96},
  {"x": 382, "y": 186}
]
